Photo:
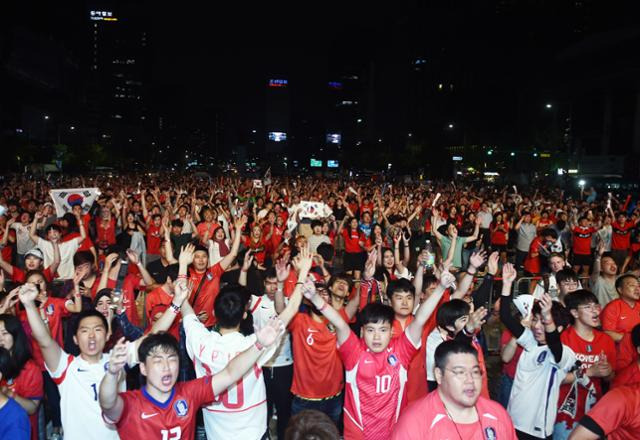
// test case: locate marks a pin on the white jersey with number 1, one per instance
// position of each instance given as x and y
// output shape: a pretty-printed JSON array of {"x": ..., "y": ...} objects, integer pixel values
[{"x": 241, "y": 411}]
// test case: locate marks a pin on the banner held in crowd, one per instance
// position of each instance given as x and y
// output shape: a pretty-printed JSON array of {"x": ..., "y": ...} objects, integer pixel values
[{"x": 65, "y": 199}]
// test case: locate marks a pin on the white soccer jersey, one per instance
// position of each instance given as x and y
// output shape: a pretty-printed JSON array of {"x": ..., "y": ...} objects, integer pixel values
[
  {"x": 533, "y": 403},
  {"x": 241, "y": 411},
  {"x": 262, "y": 309},
  {"x": 79, "y": 383}
]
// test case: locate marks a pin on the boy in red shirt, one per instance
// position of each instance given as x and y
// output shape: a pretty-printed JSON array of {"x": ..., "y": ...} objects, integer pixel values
[
  {"x": 630, "y": 374},
  {"x": 582, "y": 257},
  {"x": 539, "y": 247},
  {"x": 376, "y": 364},
  {"x": 597, "y": 355},
  {"x": 621, "y": 315},
  {"x": 163, "y": 408},
  {"x": 621, "y": 238}
]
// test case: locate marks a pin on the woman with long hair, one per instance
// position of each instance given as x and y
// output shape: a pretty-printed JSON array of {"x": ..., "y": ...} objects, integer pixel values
[{"x": 24, "y": 383}]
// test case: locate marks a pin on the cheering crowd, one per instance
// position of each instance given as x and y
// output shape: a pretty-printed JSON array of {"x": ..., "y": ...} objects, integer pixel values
[{"x": 179, "y": 307}]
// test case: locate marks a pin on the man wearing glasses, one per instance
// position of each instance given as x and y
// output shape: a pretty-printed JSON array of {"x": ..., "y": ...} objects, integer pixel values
[
  {"x": 596, "y": 353},
  {"x": 455, "y": 410}
]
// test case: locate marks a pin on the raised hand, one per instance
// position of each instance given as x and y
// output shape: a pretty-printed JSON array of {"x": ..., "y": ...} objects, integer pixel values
[
  {"x": 509, "y": 273},
  {"x": 270, "y": 333},
  {"x": 492, "y": 265},
  {"x": 109, "y": 260},
  {"x": 477, "y": 259},
  {"x": 132, "y": 256},
  {"x": 305, "y": 260},
  {"x": 28, "y": 294},
  {"x": 186, "y": 254},
  {"x": 118, "y": 358},
  {"x": 240, "y": 222},
  {"x": 309, "y": 288},
  {"x": 370, "y": 264},
  {"x": 477, "y": 319},
  {"x": 282, "y": 269},
  {"x": 447, "y": 279},
  {"x": 10, "y": 301},
  {"x": 545, "y": 305},
  {"x": 181, "y": 291},
  {"x": 246, "y": 262}
]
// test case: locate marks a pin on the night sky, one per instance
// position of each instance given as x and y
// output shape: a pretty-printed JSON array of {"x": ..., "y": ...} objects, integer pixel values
[{"x": 212, "y": 55}]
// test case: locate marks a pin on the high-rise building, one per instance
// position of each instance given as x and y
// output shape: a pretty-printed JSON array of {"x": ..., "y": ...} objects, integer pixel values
[
  {"x": 119, "y": 69},
  {"x": 278, "y": 118}
]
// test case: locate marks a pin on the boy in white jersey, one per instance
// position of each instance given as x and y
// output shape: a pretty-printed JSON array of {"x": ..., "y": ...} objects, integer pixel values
[
  {"x": 78, "y": 377},
  {"x": 241, "y": 411}
]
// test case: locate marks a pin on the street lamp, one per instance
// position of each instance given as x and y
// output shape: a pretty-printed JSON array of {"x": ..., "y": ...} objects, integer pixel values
[
  {"x": 548, "y": 105},
  {"x": 46, "y": 117},
  {"x": 72, "y": 128},
  {"x": 450, "y": 125}
]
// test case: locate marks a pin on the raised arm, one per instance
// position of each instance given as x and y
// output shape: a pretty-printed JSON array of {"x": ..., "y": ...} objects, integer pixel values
[
  {"x": 303, "y": 262},
  {"x": 342, "y": 328},
  {"x": 233, "y": 253},
  {"x": 476, "y": 260},
  {"x": 426, "y": 309},
  {"x": 476, "y": 231},
  {"x": 513, "y": 325},
  {"x": 111, "y": 403},
  {"x": 51, "y": 351},
  {"x": 146, "y": 276}
]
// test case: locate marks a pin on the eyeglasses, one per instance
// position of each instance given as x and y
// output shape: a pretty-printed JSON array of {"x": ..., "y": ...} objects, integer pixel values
[
  {"x": 569, "y": 284},
  {"x": 591, "y": 307},
  {"x": 462, "y": 373}
]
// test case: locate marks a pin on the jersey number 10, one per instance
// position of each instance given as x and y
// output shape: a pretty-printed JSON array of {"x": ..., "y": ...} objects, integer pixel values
[{"x": 383, "y": 384}]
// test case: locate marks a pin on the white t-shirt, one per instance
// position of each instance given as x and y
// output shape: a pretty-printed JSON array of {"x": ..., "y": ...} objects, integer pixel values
[
  {"x": 433, "y": 340},
  {"x": 79, "y": 383},
  {"x": 241, "y": 411},
  {"x": 67, "y": 251},
  {"x": 262, "y": 308},
  {"x": 23, "y": 240},
  {"x": 533, "y": 403}
]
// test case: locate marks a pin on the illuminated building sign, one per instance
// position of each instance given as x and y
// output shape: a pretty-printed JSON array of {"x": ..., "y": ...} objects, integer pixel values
[
  {"x": 335, "y": 85},
  {"x": 333, "y": 164},
  {"x": 102, "y": 16},
  {"x": 277, "y": 136},
  {"x": 278, "y": 83},
  {"x": 315, "y": 163},
  {"x": 334, "y": 138}
]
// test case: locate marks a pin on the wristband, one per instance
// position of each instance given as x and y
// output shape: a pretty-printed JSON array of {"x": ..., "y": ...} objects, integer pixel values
[
  {"x": 474, "y": 270},
  {"x": 259, "y": 346},
  {"x": 174, "y": 308},
  {"x": 299, "y": 282},
  {"x": 464, "y": 330}
]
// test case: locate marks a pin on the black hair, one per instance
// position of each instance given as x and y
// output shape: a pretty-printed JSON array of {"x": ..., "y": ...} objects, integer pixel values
[
  {"x": 447, "y": 348},
  {"x": 88, "y": 313},
  {"x": 449, "y": 312},
  {"x": 311, "y": 424},
  {"x": 83, "y": 257},
  {"x": 270, "y": 273},
  {"x": 635, "y": 336},
  {"x": 376, "y": 313},
  {"x": 5, "y": 363},
  {"x": 560, "y": 315},
  {"x": 315, "y": 223},
  {"x": 548, "y": 232},
  {"x": 400, "y": 285},
  {"x": 341, "y": 276},
  {"x": 201, "y": 248},
  {"x": 326, "y": 251},
  {"x": 52, "y": 227},
  {"x": 172, "y": 272},
  {"x": 177, "y": 222},
  {"x": 428, "y": 280},
  {"x": 566, "y": 274},
  {"x": 578, "y": 298},
  {"x": 607, "y": 254},
  {"x": 162, "y": 340},
  {"x": 72, "y": 222},
  {"x": 21, "y": 350},
  {"x": 101, "y": 294},
  {"x": 229, "y": 306},
  {"x": 623, "y": 277}
]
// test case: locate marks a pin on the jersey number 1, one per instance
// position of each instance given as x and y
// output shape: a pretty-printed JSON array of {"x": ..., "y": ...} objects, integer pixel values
[{"x": 171, "y": 434}]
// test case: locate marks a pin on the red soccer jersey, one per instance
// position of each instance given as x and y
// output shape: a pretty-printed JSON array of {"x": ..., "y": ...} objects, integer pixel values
[
  {"x": 375, "y": 386},
  {"x": 427, "y": 419},
  {"x": 19, "y": 276},
  {"x": 619, "y": 316},
  {"x": 618, "y": 413},
  {"x": 258, "y": 248},
  {"x": 208, "y": 292},
  {"x": 499, "y": 237},
  {"x": 352, "y": 240},
  {"x": 144, "y": 417},
  {"x": 630, "y": 375},
  {"x": 575, "y": 399},
  {"x": 621, "y": 236},
  {"x": 627, "y": 353},
  {"x": 531, "y": 263},
  {"x": 314, "y": 349},
  {"x": 28, "y": 385},
  {"x": 157, "y": 301},
  {"x": 154, "y": 239},
  {"x": 582, "y": 240}
]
